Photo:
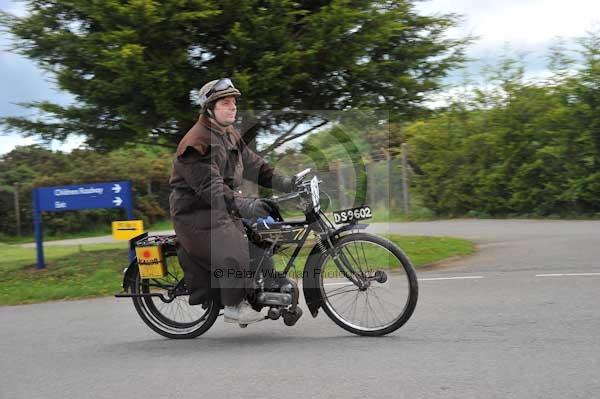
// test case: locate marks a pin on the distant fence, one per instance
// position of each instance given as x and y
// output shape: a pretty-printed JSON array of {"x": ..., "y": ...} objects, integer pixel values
[{"x": 382, "y": 182}]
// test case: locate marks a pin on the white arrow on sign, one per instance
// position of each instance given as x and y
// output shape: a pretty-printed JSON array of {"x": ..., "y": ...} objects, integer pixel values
[
  {"x": 117, "y": 201},
  {"x": 116, "y": 188}
]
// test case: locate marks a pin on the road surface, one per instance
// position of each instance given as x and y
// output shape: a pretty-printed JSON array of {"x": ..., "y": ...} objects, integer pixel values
[{"x": 519, "y": 319}]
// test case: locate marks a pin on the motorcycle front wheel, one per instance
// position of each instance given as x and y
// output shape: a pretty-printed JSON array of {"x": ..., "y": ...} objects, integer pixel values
[{"x": 388, "y": 299}]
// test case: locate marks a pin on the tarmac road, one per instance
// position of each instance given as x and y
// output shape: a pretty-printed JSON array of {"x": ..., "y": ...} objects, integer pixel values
[{"x": 520, "y": 319}]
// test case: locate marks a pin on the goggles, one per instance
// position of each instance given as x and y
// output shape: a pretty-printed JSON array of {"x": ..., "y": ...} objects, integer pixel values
[{"x": 222, "y": 84}]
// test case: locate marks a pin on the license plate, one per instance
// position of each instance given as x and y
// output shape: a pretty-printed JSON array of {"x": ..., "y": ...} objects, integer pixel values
[
  {"x": 348, "y": 215},
  {"x": 151, "y": 262}
]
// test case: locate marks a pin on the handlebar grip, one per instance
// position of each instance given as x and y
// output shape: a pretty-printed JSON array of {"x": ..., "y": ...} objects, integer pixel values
[{"x": 285, "y": 197}]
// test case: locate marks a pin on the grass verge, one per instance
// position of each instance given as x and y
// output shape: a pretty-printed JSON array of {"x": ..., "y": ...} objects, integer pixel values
[{"x": 84, "y": 271}]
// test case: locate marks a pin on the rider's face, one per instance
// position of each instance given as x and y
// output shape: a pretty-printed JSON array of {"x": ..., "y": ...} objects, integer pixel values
[{"x": 225, "y": 110}]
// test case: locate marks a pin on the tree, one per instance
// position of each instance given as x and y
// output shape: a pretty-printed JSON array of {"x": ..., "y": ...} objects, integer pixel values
[
  {"x": 134, "y": 66},
  {"x": 519, "y": 147},
  {"x": 584, "y": 99},
  {"x": 34, "y": 166}
]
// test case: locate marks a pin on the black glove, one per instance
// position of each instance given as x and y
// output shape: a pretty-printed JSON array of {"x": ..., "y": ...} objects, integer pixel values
[
  {"x": 285, "y": 184},
  {"x": 257, "y": 208}
]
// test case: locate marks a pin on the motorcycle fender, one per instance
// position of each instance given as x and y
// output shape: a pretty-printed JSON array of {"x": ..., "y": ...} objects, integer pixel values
[
  {"x": 128, "y": 277},
  {"x": 129, "y": 272},
  {"x": 310, "y": 282},
  {"x": 347, "y": 227}
]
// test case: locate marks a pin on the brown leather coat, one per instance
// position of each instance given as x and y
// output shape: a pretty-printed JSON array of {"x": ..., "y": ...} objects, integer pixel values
[{"x": 209, "y": 166}]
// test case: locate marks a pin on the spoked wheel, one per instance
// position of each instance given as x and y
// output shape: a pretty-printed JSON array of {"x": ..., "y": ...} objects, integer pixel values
[
  {"x": 387, "y": 290},
  {"x": 170, "y": 315}
]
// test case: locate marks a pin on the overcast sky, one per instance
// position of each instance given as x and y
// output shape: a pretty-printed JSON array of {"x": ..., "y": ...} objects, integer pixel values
[{"x": 529, "y": 26}]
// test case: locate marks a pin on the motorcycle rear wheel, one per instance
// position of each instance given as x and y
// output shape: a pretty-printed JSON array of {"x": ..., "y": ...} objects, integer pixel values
[{"x": 175, "y": 319}]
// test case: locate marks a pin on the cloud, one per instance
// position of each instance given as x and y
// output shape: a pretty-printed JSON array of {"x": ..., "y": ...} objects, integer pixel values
[
  {"x": 520, "y": 22},
  {"x": 10, "y": 141},
  {"x": 515, "y": 27},
  {"x": 22, "y": 80},
  {"x": 13, "y": 7},
  {"x": 7, "y": 143}
]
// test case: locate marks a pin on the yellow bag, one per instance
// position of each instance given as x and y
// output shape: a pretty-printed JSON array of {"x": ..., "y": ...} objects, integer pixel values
[{"x": 151, "y": 261}]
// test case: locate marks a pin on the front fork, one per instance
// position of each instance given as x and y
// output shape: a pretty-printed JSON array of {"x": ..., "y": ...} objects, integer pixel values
[{"x": 342, "y": 263}]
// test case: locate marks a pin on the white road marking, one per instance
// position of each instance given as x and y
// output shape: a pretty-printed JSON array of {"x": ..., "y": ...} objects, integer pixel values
[
  {"x": 426, "y": 279},
  {"x": 567, "y": 274},
  {"x": 451, "y": 278},
  {"x": 480, "y": 277}
]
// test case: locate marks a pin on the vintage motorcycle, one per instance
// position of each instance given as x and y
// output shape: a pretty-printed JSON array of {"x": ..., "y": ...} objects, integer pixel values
[{"x": 363, "y": 282}]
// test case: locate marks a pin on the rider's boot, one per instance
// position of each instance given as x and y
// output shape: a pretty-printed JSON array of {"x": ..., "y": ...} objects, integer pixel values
[
  {"x": 242, "y": 314},
  {"x": 197, "y": 297}
]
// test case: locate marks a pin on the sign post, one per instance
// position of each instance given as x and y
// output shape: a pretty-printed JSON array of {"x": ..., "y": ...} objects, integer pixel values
[
  {"x": 75, "y": 197},
  {"x": 37, "y": 225}
]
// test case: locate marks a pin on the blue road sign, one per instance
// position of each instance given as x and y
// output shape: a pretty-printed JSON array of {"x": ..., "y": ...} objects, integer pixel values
[
  {"x": 116, "y": 194},
  {"x": 85, "y": 196}
]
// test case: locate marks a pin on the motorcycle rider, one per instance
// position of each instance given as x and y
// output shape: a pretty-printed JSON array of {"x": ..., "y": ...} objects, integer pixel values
[{"x": 207, "y": 206}]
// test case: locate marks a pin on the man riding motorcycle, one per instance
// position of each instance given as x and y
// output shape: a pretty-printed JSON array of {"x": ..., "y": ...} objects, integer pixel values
[{"x": 207, "y": 206}]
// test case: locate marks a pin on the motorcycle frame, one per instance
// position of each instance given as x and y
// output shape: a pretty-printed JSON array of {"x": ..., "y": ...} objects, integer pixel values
[{"x": 314, "y": 222}]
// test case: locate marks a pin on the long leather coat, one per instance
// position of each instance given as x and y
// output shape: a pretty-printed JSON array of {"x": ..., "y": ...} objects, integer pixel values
[{"x": 209, "y": 166}]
